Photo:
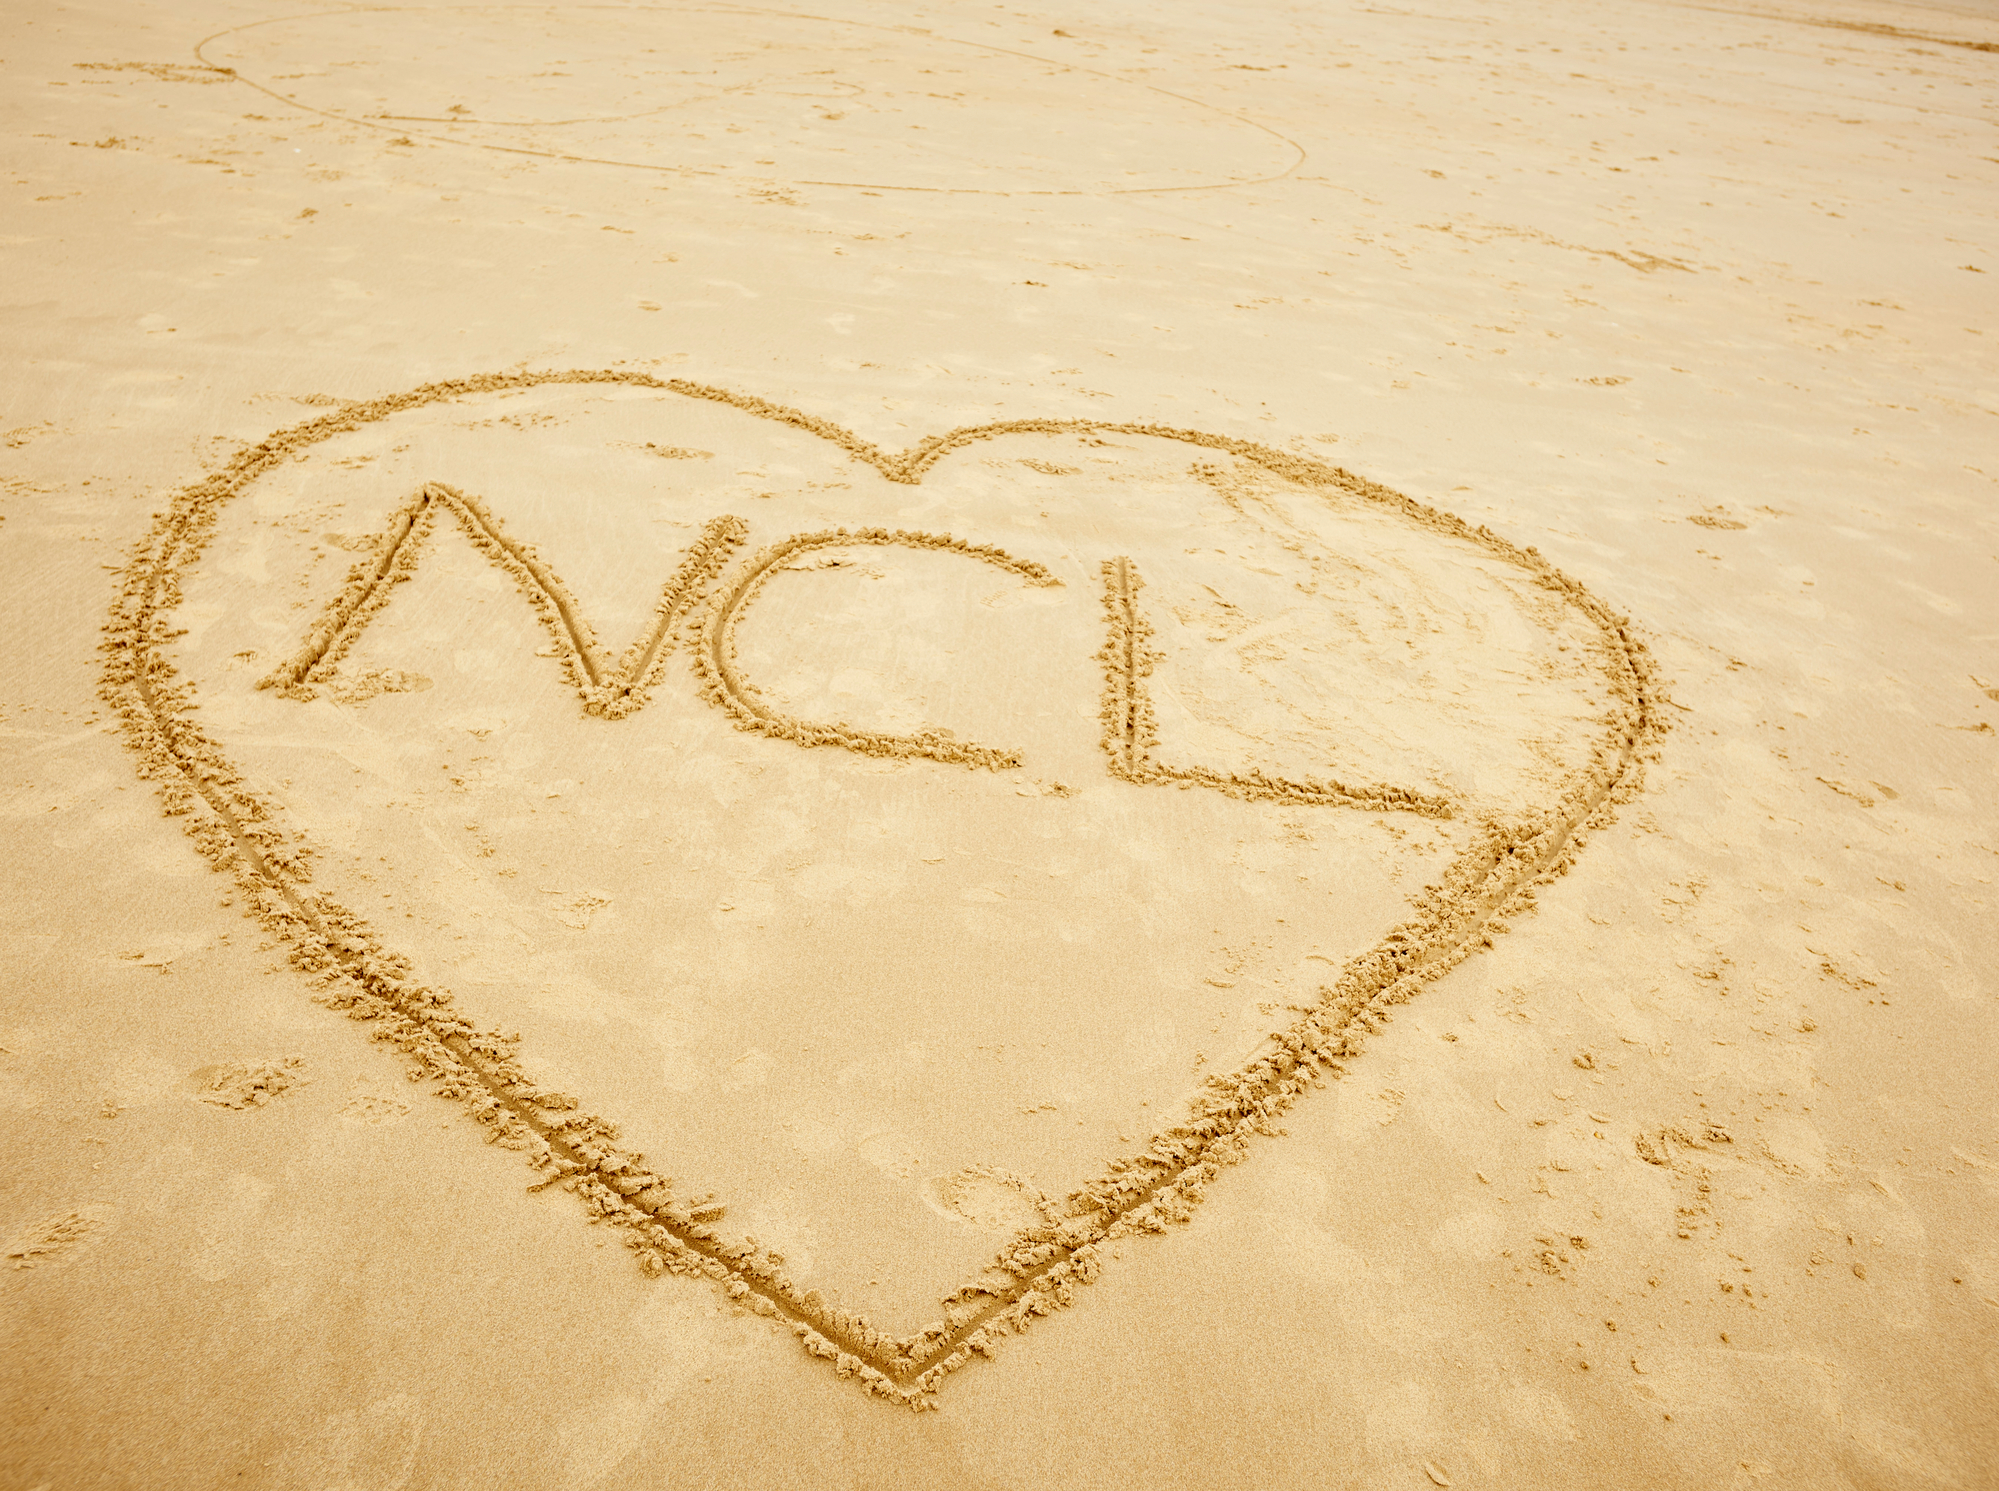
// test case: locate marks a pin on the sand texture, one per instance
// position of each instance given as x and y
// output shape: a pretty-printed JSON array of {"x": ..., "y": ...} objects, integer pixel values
[{"x": 1172, "y": 747}]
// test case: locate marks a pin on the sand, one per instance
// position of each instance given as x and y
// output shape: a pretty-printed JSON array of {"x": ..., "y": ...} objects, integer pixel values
[{"x": 758, "y": 749}]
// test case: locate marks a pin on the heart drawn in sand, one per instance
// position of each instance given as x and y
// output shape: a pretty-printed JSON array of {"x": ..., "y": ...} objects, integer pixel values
[{"x": 993, "y": 777}]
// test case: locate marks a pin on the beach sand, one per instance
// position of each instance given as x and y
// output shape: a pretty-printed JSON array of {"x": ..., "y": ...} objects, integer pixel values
[{"x": 1160, "y": 746}]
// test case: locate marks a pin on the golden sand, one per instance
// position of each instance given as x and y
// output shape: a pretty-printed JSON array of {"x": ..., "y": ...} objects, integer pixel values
[
  {"x": 1035, "y": 1273},
  {"x": 1326, "y": 670}
]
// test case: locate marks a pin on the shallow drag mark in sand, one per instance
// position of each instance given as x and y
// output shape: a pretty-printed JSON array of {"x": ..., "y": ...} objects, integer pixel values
[
  {"x": 749, "y": 96},
  {"x": 1244, "y": 618},
  {"x": 987, "y": 1196},
  {"x": 247, "y": 1084},
  {"x": 1866, "y": 28},
  {"x": 60, "y": 1237},
  {"x": 371, "y": 1108}
]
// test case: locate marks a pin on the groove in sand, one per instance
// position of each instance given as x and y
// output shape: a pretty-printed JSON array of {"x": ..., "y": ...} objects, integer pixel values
[{"x": 242, "y": 834}]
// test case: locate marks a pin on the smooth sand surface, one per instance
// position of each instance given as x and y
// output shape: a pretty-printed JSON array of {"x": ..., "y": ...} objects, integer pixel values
[{"x": 1238, "y": 747}]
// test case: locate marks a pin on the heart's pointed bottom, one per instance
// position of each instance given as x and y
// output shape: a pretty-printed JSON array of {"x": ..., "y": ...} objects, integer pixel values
[{"x": 1039, "y": 1269}]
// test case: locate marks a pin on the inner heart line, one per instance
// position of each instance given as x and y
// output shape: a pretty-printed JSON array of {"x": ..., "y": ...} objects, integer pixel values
[{"x": 240, "y": 833}]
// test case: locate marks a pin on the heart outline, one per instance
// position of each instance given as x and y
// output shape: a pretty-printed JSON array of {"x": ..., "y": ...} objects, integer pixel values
[{"x": 239, "y": 832}]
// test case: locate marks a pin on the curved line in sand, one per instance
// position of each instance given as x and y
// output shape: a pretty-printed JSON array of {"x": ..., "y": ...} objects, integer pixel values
[
  {"x": 725, "y": 687},
  {"x": 293, "y": 102},
  {"x": 1147, "y": 1192},
  {"x": 1867, "y": 28},
  {"x": 853, "y": 90}
]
